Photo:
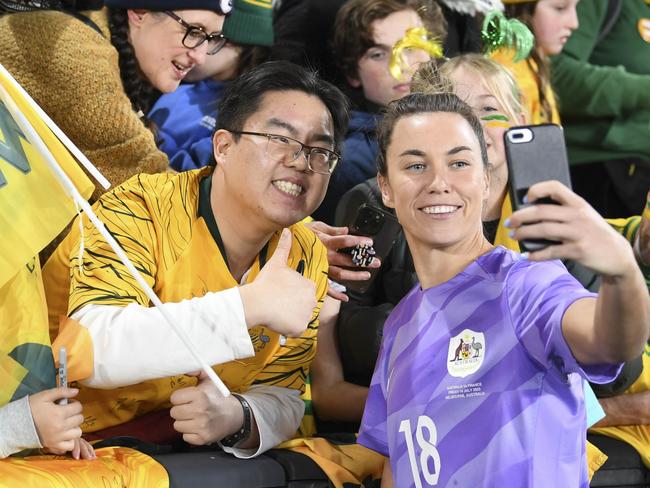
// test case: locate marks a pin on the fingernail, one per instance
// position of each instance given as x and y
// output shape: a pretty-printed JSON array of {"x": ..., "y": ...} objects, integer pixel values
[
  {"x": 511, "y": 233},
  {"x": 524, "y": 255},
  {"x": 506, "y": 223},
  {"x": 525, "y": 199}
]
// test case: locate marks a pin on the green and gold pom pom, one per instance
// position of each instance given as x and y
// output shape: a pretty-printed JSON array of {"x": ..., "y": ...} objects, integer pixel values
[{"x": 499, "y": 32}]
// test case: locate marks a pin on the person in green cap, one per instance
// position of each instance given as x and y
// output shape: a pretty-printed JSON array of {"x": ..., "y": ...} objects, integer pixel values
[{"x": 185, "y": 119}]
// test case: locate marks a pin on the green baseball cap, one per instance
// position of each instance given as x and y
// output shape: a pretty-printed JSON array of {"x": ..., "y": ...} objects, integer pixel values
[{"x": 250, "y": 22}]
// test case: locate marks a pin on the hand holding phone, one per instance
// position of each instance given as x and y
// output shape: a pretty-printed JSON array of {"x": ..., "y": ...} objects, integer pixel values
[
  {"x": 535, "y": 153},
  {"x": 378, "y": 224},
  {"x": 583, "y": 235}
]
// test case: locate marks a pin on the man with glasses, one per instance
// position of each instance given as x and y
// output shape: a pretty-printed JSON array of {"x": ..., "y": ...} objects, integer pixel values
[{"x": 199, "y": 232}]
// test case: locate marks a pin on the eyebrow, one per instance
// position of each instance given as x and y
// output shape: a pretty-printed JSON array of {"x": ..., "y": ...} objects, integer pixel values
[
  {"x": 413, "y": 152},
  {"x": 321, "y": 137},
  {"x": 458, "y": 149},
  {"x": 420, "y": 153},
  {"x": 204, "y": 28}
]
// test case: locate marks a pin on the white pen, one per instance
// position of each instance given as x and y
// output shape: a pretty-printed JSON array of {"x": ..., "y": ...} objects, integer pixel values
[{"x": 63, "y": 373}]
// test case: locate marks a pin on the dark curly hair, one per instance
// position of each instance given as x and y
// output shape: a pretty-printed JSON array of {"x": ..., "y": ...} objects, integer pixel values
[
  {"x": 138, "y": 90},
  {"x": 353, "y": 35}
]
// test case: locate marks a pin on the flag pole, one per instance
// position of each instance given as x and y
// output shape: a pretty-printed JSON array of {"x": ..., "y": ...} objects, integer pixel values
[{"x": 71, "y": 190}]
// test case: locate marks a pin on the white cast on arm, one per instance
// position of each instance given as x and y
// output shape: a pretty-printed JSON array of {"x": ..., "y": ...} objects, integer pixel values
[
  {"x": 134, "y": 343},
  {"x": 278, "y": 412}
]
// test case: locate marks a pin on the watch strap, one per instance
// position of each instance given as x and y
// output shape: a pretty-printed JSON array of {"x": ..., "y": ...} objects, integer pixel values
[{"x": 244, "y": 431}]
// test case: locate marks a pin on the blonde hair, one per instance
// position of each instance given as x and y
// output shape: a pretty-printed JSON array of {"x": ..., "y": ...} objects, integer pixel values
[{"x": 433, "y": 77}]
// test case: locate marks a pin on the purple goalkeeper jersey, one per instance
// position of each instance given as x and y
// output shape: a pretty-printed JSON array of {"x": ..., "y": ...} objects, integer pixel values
[{"x": 475, "y": 385}]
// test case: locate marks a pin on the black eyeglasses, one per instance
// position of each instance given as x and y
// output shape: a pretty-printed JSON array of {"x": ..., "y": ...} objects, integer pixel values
[
  {"x": 288, "y": 149},
  {"x": 195, "y": 36}
]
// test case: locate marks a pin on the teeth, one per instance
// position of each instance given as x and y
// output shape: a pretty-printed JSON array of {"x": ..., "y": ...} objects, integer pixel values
[
  {"x": 288, "y": 187},
  {"x": 439, "y": 209},
  {"x": 180, "y": 67}
]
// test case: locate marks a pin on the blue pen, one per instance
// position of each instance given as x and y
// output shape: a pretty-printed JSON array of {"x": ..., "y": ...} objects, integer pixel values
[{"x": 63, "y": 373}]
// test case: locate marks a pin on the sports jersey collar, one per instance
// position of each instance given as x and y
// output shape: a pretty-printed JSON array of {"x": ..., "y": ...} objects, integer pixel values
[{"x": 205, "y": 211}]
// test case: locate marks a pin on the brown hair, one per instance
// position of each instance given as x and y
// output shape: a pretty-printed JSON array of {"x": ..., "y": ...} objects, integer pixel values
[
  {"x": 353, "y": 34},
  {"x": 542, "y": 70},
  {"x": 251, "y": 56}
]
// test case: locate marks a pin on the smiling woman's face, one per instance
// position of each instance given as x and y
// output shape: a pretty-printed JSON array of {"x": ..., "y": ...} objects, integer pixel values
[
  {"x": 157, "y": 41},
  {"x": 435, "y": 179},
  {"x": 374, "y": 76}
]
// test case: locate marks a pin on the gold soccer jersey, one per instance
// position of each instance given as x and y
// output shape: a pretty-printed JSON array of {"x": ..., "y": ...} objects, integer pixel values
[{"x": 165, "y": 229}]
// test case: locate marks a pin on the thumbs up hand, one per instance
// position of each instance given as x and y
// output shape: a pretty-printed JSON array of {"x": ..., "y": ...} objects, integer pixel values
[{"x": 280, "y": 298}]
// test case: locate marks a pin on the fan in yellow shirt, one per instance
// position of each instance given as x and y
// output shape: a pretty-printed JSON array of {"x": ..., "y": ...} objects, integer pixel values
[{"x": 201, "y": 232}]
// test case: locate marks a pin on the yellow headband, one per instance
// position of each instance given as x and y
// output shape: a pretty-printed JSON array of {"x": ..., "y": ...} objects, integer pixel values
[{"x": 416, "y": 38}]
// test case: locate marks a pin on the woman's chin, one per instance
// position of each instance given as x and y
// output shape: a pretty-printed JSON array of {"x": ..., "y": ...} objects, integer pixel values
[{"x": 167, "y": 85}]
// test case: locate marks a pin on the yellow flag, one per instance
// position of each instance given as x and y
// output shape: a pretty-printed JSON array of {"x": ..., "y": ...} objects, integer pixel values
[{"x": 34, "y": 208}]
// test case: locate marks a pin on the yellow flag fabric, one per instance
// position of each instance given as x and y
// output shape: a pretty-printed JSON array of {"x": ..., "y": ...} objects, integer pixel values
[
  {"x": 34, "y": 208},
  {"x": 114, "y": 467},
  {"x": 26, "y": 364}
]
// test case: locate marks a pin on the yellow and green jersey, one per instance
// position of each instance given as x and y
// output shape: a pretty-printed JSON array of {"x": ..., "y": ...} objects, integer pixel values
[{"x": 166, "y": 226}]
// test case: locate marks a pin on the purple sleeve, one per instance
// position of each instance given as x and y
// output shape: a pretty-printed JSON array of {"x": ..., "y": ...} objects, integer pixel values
[
  {"x": 538, "y": 296},
  {"x": 374, "y": 431}
]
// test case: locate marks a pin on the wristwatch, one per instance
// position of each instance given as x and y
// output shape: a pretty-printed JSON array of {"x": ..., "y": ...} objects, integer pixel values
[{"x": 245, "y": 430}]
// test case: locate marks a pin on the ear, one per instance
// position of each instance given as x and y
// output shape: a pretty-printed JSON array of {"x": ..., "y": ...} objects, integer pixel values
[
  {"x": 222, "y": 141},
  {"x": 136, "y": 17},
  {"x": 353, "y": 82},
  {"x": 386, "y": 190}
]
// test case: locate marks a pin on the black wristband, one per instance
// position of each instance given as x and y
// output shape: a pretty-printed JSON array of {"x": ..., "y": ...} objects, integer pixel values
[{"x": 245, "y": 430}]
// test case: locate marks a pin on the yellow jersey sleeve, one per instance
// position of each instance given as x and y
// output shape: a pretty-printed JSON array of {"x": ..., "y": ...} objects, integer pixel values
[{"x": 151, "y": 217}]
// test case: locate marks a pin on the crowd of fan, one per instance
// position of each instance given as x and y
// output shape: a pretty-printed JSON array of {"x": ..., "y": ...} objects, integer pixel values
[{"x": 237, "y": 168}]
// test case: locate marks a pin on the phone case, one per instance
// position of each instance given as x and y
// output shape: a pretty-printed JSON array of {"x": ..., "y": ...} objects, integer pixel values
[
  {"x": 541, "y": 158},
  {"x": 383, "y": 227}
]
